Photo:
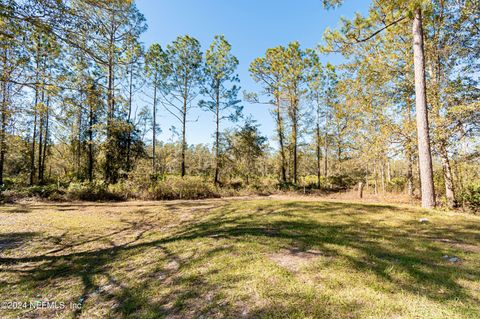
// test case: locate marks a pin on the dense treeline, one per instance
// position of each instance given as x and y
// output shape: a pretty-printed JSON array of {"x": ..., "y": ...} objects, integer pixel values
[{"x": 390, "y": 118}]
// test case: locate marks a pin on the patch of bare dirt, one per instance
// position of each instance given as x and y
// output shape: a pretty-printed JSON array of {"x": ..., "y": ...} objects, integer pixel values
[{"x": 294, "y": 259}]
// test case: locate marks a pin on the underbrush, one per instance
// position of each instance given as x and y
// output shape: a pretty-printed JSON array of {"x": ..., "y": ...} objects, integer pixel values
[
  {"x": 51, "y": 192},
  {"x": 190, "y": 187},
  {"x": 74, "y": 191},
  {"x": 92, "y": 192},
  {"x": 171, "y": 187},
  {"x": 471, "y": 197}
]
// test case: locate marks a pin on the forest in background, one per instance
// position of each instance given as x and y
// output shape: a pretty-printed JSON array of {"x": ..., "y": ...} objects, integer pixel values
[{"x": 71, "y": 125}]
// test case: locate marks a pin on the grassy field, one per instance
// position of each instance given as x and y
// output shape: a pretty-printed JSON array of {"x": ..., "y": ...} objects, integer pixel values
[{"x": 237, "y": 258}]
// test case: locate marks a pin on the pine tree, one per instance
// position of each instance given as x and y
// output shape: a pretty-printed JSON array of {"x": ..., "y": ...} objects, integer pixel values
[
  {"x": 183, "y": 78},
  {"x": 384, "y": 15},
  {"x": 154, "y": 68},
  {"x": 221, "y": 90}
]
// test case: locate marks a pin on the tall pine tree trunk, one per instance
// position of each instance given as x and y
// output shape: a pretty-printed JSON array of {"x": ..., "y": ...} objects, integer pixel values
[
  {"x": 3, "y": 129},
  {"x": 184, "y": 138},
  {"x": 217, "y": 136},
  {"x": 78, "y": 153},
  {"x": 295, "y": 146},
  {"x": 325, "y": 157},
  {"x": 129, "y": 116},
  {"x": 90, "y": 137},
  {"x": 41, "y": 115},
  {"x": 424, "y": 152},
  {"x": 41, "y": 175},
  {"x": 325, "y": 146},
  {"x": 109, "y": 174},
  {"x": 108, "y": 155},
  {"x": 281, "y": 141},
  {"x": 33, "y": 145},
  {"x": 35, "y": 113},
  {"x": 319, "y": 155},
  {"x": 154, "y": 129},
  {"x": 4, "y": 111}
]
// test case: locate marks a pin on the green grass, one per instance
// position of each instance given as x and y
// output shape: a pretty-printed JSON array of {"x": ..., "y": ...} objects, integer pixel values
[{"x": 239, "y": 259}]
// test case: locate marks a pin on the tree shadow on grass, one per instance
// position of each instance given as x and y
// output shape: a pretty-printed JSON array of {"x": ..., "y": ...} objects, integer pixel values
[
  {"x": 15, "y": 209},
  {"x": 408, "y": 248},
  {"x": 11, "y": 241}
]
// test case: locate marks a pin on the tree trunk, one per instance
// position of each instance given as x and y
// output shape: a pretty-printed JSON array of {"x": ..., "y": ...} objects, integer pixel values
[
  {"x": 184, "y": 140},
  {"x": 129, "y": 116},
  {"x": 424, "y": 153},
  {"x": 3, "y": 136},
  {"x": 41, "y": 115},
  {"x": 447, "y": 175},
  {"x": 154, "y": 129},
  {"x": 382, "y": 167},
  {"x": 281, "y": 142},
  {"x": 360, "y": 189},
  {"x": 40, "y": 142},
  {"x": 339, "y": 155},
  {"x": 217, "y": 135},
  {"x": 78, "y": 153},
  {"x": 109, "y": 178},
  {"x": 35, "y": 107},
  {"x": 325, "y": 152},
  {"x": 4, "y": 116},
  {"x": 108, "y": 155},
  {"x": 389, "y": 171},
  {"x": 295, "y": 147},
  {"x": 41, "y": 176},
  {"x": 32, "y": 149},
  {"x": 90, "y": 139},
  {"x": 318, "y": 155},
  {"x": 3, "y": 130}
]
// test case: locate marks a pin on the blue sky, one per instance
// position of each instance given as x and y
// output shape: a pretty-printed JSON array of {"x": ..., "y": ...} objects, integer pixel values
[{"x": 251, "y": 27}]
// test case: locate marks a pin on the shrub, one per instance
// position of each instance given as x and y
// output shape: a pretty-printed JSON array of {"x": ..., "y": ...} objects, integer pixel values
[
  {"x": 188, "y": 187},
  {"x": 286, "y": 186},
  {"x": 235, "y": 184},
  {"x": 397, "y": 184},
  {"x": 266, "y": 186},
  {"x": 8, "y": 184},
  {"x": 311, "y": 181},
  {"x": 91, "y": 192},
  {"x": 141, "y": 178},
  {"x": 51, "y": 192},
  {"x": 126, "y": 190},
  {"x": 341, "y": 181},
  {"x": 471, "y": 197},
  {"x": 42, "y": 191}
]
